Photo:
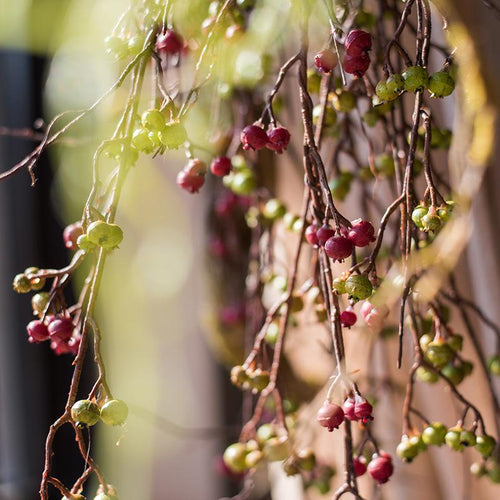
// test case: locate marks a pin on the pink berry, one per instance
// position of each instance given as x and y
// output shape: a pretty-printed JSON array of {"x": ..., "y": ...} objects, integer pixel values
[
  {"x": 380, "y": 467},
  {"x": 61, "y": 329},
  {"x": 356, "y": 65},
  {"x": 37, "y": 331},
  {"x": 190, "y": 182},
  {"x": 232, "y": 315},
  {"x": 348, "y": 408},
  {"x": 374, "y": 316},
  {"x": 348, "y": 318},
  {"x": 169, "y": 42},
  {"x": 359, "y": 464},
  {"x": 363, "y": 410},
  {"x": 221, "y": 166},
  {"x": 71, "y": 234},
  {"x": 311, "y": 235},
  {"x": 361, "y": 233},
  {"x": 326, "y": 60},
  {"x": 253, "y": 137},
  {"x": 358, "y": 42},
  {"x": 330, "y": 416},
  {"x": 279, "y": 138},
  {"x": 324, "y": 233},
  {"x": 338, "y": 248}
]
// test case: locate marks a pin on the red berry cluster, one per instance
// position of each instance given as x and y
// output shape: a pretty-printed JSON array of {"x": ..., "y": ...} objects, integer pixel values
[
  {"x": 331, "y": 415},
  {"x": 255, "y": 137},
  {"x": 356, "y": 59},
  {"x": 60, "y": 330}
]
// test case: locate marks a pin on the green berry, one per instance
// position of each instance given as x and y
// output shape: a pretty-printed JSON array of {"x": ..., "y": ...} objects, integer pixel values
[
  {"x": 340, "y": 185},
  {"x": 383, "y": 93},
  {"x": 454, "y": 373},
  {"x": 395, "y": 83},
  {"x": 438, "y": 353},
  {"x": 84, "y": 243},
  {"x": 142, "y": 140},
  {"x": 39, "y": 302},
  {"x": 21, "y": 283},
  {"x": 343, "y": 101},
  {"x": 306, "y": 459},
  {"x": 135, "y": 44},
  {"x": 452, "y": 438},
  {"x": 384, "y": 164},
  {"x": 371, "y": 117},
  {"x": 494, "y": 473},
  {"x": 431, "y": 222},
  {"x": 36, "y": 283},
  {"x": 427, "y": 376},
  {"x": 434, "y": 434},
  {"x": 265, "y": 432},
  {"x": 467, "y": 368},
  {"x": 272, "y": 333},
  {"x": 313, "y": 81},
  {"x": 424, "y": 341},
  {"x": 116, "y": 46},
  {"x": 485, "y": 445},
  {"x": 456, "y": 342},
  {"x": 441, "y": 84},
  {"x": 243, "y": 182},
  {"x": 277, "y": 449},
  {"x": 407, "y": 450},
  {"x": 105, "y": 235},
  {"x": 173, "y": 136},
  {"x": 415, "y": 78},
  {"x": 153, "y": 120},
  {"x": 253, "y": 458},
  {"x": 330, "y": 117},
  {"x": 419, "y": 212},
  {"x": 467, "y": 438},
  {"x": 339, "y": 286},
  {"x": 234, "y": 457},
  {"x": 493, "y": 364},
  {"x": 274, "y": 209},
  {"x": 358, "y": 286},
  {"x": 259, "y": 379},
  {"x": 114, "y": 412},
  {"x": 85, "y": 412}
]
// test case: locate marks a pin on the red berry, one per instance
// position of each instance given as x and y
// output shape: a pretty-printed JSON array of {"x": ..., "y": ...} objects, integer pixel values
[
  {"x": 61, "y": 329},
  {"x": 348, "y": 408},
  {"x": 253, "y": 137},
  {"x": 226, "y": 203},
  {"x": 356, "y": 65},
  {"x": 359, "y": 464},
  {"x": 196, "y": 167},
  {"x": 338, "y": 248},
  {"x": 71, "y": 234},
  {"x": 169, "y": 42},
  {"x": 361, "y": 233},
  {"x": 311, "y": 235},
  {"x": 232, "y": 315},
  {"x": 326, "y": 60},
  {"x": 380, "y": 467},
  {"x": 37, "y": 331},
  {"x": 374, "y": 316},
  {"x": 190, "y": 182},
  {"x": 279, "y": 138},
  {"x": 363, "y": 410},
  {"x": 358, "y": 42},
  {"x": 348, "y": 318},
  {"x": 221, "y": 166},
  {"x": 324, "y": 233},
  {"x": 330, "y": 416}
]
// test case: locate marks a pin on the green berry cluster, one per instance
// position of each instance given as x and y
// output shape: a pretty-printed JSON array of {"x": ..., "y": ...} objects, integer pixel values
[
  {"x": 87, "y": 413},
  {"x": 431, "y": 219},
  {"x": 28, "y": 281},
  {"x": 254, "y": 379}
]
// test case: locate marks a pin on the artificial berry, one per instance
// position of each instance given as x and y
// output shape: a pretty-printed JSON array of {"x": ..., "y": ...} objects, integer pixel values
[
  {"x": 425, "y": 375},
  {"x": 383, "y": 92},
  {"x": 407, "y": 449},
  {"x": 348, "y": 318},
  {"x": 395, "y": 83},
  {"x": 339, "y": 286},
  {"x": 348, "y": 408},
  {"x": 254, "y": 137},
  {"x": 37, "y": 331},
  {"x": 114, "y": 412},
  {"x": 190, "y": 182},
  {"x": 358, "y": 42},
  {"x": 359, "y": 465},
  {"x": 326, "y": 60},
  {"x": 279, "y": 138},
  {"x": 431, "y": 221},
  {"x": 452, "y": 438},
  {"x": 104, "y": 234},
  {"x": 441, "y": 84},
  {"x": 330, "y": 416},
  {"x": 85, "y": 412},
  {"x": 363, "y": 410},
  {"x": 434, "y": 434},
  {"x": 438, "y": 352},
  {"x": 380, "y": 467},
  {"x": 418, "y": 213},
  {"x": 71, "y": 234},
  {"x": 415, "y": 78},
  {"x": 485, "y": 445},
  {"x": 356, "y": 65},
  {"x": 221, "y": 166},
  {"x": 358, "y": 286},
  {"x": 361, "y": 233},
  {"x": 61, "y": 329},
  {"x": 324, "y": 233},
  {"x": 169, "y": 42},
  {"x": 311, "y": 235},
  {"x": 338, "y": 248}
]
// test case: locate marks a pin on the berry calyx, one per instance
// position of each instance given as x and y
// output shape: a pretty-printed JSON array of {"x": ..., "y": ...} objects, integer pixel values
[
  {"x": 61, "y": 329},
  {"x": 85, "y": 412},
  {"x": 279, "y": 138},
  {"x": 380, "y": 467},
  {"x": 338, "y": 248},
  {"x": 253, "y": 137},
  {"x": 114, "y": 412},
  {"x": 358, "y": 42},
  {"x": 361, "y": 233},
  {"x": 356, "y": 65},
  {"x": 221, "y": 166},
  {"x": 326, "y": 60},
  {"x": 324, "y": 233},
  {"x": 71, "y": 234},
  {"x": 37, "y": 331},
  {"x": 104, "y": 234},
  {"x": 348, "y": 318},
  {"x": 169, "y": 42},
  {"x": 330, "y": 416}
]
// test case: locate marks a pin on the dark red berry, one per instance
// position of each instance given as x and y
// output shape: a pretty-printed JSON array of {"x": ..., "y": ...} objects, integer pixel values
[
  {"x": 279, "y": 138},
  {"x": 169, "y": 42},
  {"x": 348, "y": 318},
  {"x": 358, "y": 42},
  {"x": 37, "y": 331},
  {"x": 190, "y": 182},
  {"x": 324, "y": 233},
  {"x": 359, "y": 464},
  {"x": 380, "y": 467},
  {"x": 61, "y": 329},
  {"x": 356, "y": 65},
  {"x": 330, "y": 416},
  {"x": 71, "y": 234},
  {"x": 338, "y": 248},
  {"x": 348, "y": 408},
  {"x": 363, "y": 410},
  {"x": 253, "y": 137},
  {"x": 311, "y": 235},
  {"x": 361, "y": 233},
  {"x": 326, "y": 60},
  {"x": 221, "y": 166}
]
